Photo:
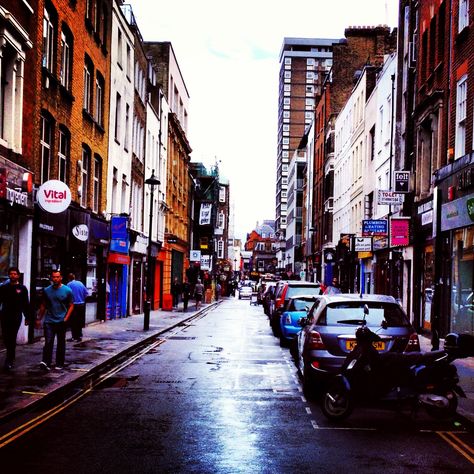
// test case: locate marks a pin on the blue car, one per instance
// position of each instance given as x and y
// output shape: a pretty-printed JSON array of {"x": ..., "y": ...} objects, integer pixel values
[{"x": 296, "y": 308}]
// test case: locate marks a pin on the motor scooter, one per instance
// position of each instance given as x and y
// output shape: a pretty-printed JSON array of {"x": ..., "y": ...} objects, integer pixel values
[{"x": 397, "y": 379}]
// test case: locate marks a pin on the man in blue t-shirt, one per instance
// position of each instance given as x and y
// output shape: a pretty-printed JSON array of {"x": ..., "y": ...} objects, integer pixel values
[
  {"x": 78, "y": 317},
  {"x": 56, "y": 308}
]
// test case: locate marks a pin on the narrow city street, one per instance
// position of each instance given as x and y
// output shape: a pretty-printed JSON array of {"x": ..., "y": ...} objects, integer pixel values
[{"x": 220, "y": 396}]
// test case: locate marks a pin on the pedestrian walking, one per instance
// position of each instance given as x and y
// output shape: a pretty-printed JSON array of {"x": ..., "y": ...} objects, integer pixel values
[
  {"x": 14, "y": 303},
  {"x": 218, "y": 290},
  {"x": 56, "y": 308},
  {"x": 78, "y": 316},
  {"x": 175, "y": 291},
  {"x": 186, "y": 288},
  {"x": 198, "y": 293}
]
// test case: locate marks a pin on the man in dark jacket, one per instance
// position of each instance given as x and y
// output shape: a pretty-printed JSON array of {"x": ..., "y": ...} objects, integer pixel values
[{"x": 14, "y": 303}]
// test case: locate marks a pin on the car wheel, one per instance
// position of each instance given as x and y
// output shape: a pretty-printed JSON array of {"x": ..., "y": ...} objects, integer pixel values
[
  {"x": 336, "y": 402},
  {"x": 283, "y": 341},
  {"x": 308, "y": 386},
  {"x": 294, "y": 350},
  {"x": 444, "y": 413}
]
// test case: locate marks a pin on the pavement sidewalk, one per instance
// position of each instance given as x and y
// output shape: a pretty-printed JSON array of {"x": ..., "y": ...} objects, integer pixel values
[{"x": 27, "y": 385}]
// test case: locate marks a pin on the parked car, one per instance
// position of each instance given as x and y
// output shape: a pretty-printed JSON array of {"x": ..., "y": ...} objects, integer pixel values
[
  {"x": 328, "y": 333},
  {"x": 268, "y": 295},
  {"x": 276, "y": 292},
  {"x": 284, "y": 292},
  {"x": 245, "y": 292},
  {"x": 297, "y": 308}
]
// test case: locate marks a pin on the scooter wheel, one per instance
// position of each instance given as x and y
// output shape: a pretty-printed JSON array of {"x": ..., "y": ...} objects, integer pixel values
[
  {"x": 444, "y": 413},
  {"x": 336, "y": 403}
]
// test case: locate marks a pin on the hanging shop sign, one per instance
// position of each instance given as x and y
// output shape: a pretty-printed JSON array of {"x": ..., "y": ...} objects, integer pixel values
[
  {"x": 54, "y": 196},
  {"x": 402, "y": 180},
  {"x": 374, "y": 227},
  {"x": 362, "y": 244},
  {"x": 399, "y": 231},
  {"x": 81, "y": 232},
  {"x": 205, "y": 213},
  {"x": 195, "y": 255},
  {"x": 388, "y": 198},
  {"x": 206, "y": 261},
  {"x": 119, "y": 239},
  {"x": 457, "y": 213},
  {"x": 16, "y": 184}
]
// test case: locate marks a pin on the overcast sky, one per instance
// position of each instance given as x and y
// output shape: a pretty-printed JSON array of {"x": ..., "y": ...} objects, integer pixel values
[{"x": 228, "y": 54}]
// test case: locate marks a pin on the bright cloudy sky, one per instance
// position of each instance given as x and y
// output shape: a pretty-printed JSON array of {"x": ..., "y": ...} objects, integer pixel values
[{"x": 228, "y": 54}]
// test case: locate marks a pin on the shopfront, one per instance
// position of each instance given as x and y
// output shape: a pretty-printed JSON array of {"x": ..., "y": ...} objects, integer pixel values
[
  {"x": 456, "y": 182},
  {"x": 458, "y": 217},
  {"x": 138, "y": 256},
  {"x": 118, "y": 268},
  {"x": 16, "y": 224}
]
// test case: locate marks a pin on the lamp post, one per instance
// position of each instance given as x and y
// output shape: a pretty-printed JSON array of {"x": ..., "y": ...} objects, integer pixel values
[
  {"x": 152, "y": 181},
  {"x": 288, "y": 264},
  {"x": 235, "y": 264}
]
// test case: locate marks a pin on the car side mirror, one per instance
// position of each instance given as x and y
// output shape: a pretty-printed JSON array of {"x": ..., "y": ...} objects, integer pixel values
[
  {"x": 302, "y": 322},
  {"x": 384, "y": 324}
]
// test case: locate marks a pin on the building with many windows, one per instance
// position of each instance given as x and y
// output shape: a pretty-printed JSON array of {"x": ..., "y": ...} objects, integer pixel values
[
  {"x": 66, "y": 119},
  {"x": 304, "y": 64}
]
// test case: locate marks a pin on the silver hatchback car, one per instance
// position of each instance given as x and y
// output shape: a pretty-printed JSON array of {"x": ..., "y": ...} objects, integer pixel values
[{"x": 328, "y": 333}]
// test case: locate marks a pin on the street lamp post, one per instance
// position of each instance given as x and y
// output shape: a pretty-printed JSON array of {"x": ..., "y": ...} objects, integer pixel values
[{"x": 152, "y": 181}]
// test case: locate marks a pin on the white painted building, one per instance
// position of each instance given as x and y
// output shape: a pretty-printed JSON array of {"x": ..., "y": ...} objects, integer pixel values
[
  {"x": 156, "y": 160},
  {"x": 121, "y": 114},
  {"x": 378, "y": 136}
]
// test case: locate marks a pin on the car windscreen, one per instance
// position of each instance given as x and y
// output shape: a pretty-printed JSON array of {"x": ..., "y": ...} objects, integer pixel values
[
  {"x": 300, "y": 305},
  {"x": 302, "y": 290},
  {"x": 352, "y": 313}
]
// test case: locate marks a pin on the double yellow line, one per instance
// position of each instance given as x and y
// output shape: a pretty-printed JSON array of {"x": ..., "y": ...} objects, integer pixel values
[
  {"x": 458, "y": 445},
  {"x": 43, "y": 417}
]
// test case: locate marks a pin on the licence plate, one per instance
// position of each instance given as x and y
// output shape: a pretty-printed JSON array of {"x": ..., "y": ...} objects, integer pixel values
[{"x": 379, "y": 345}]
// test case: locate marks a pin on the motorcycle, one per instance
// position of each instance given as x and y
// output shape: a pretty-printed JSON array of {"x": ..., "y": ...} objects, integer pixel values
[{"x": 418, "y": 379}]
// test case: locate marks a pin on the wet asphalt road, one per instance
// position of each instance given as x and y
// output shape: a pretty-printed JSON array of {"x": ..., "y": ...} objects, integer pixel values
[{"x": 221, "y": 396}]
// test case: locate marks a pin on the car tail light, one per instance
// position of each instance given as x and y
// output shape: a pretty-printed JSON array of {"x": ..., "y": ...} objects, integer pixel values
[
  {"x": 413, "y": 343},
  {"x": 315, "y": 341}
]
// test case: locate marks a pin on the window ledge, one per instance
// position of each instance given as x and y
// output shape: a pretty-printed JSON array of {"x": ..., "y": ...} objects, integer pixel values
[
  {"x": 462, "y": 35},
  {"x": 89, "y": 25},
  {"x": 66, "y": 93},
  {"x": 87, "y": 116},
  {"x": 49, "y": 79},
  {"x": 99, "y": 127}
]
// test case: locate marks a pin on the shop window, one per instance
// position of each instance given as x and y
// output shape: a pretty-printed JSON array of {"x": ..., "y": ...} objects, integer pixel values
[{"x": 462, "y": 296}]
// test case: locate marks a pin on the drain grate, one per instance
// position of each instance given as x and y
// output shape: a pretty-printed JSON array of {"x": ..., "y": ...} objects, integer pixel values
[
  {"x": 169, "y": 381},
  {"x": 182, "y": 338}
]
